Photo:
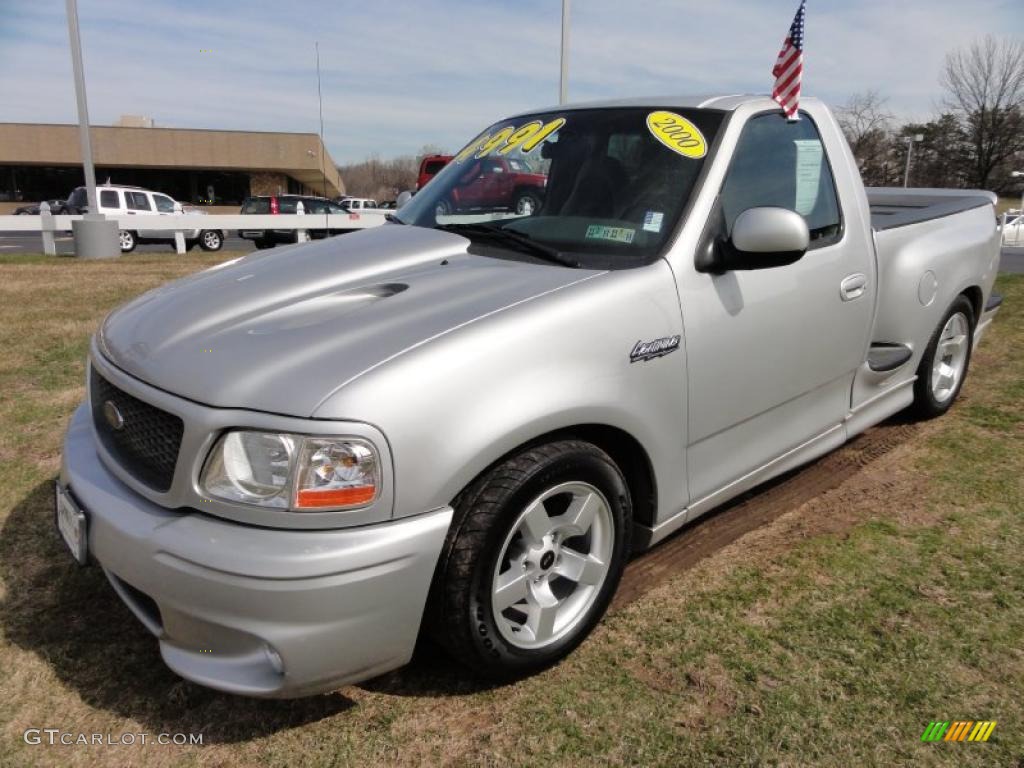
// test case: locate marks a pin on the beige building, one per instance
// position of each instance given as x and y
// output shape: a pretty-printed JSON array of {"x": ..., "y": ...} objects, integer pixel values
[{"x": 221, "y": 168}]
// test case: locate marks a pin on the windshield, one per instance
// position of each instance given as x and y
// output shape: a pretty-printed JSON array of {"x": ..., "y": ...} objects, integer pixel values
[{"x": 605, "y": 185}]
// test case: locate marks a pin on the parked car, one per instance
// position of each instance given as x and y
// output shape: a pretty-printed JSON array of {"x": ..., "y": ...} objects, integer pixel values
[
  {"x": 467, "y": 427},
  {"x": 56, "y": 207},
  {"x": 287, "y": 204},
  {"x": 1013, "y": 230},
  {"x": 430, "y": 166},
  {"x": 357, "y": 204},
  {"x": 116, "y": 200},
  {"x": 494, "y": 183}
]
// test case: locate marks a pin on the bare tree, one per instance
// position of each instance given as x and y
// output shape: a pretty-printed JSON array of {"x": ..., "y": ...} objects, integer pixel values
[
  {"x": 984, "y": 85},
  {"x": 868, "y": 128}
]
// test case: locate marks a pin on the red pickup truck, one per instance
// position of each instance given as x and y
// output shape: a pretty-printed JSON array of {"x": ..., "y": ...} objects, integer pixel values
[
  {"x": 496, "y": 182},
  {"x": 430, "y": 166}
]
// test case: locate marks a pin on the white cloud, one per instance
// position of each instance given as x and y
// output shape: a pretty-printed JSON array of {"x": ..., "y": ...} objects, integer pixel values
[{"x": 401, "y": 74}]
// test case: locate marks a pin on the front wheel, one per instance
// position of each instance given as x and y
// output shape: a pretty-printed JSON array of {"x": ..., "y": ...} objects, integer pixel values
[
  {"x": 535, "y": 554},
  {"x": 211, "y": 240},
  {"x": 127, "y": 240},
  {"x": 944, "y": 365}
]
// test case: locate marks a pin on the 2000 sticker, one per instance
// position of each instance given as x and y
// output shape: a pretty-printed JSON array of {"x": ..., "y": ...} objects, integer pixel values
[{"x": 678, "y": 134}]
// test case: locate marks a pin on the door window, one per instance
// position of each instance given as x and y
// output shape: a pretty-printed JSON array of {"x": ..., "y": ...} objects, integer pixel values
[
  {"x": 137, "y": 201},
  {"x": 164, "y": 204},
  {"x": 783, "y": 164},
  {"x": 108, "y": 199}
]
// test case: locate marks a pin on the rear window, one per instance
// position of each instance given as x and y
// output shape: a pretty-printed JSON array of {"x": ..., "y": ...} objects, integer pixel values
[
  {"x": 256, "y": 205},
  {"x": 108, "y": 199},
  {"x": 433, "y": 166},
  {"x": 287, "y": 204}
]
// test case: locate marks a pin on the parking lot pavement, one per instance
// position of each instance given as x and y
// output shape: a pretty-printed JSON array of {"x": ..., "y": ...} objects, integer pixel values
[
  {"x": 30, "y": 242},
  {"x": 1012, "y": 261}
]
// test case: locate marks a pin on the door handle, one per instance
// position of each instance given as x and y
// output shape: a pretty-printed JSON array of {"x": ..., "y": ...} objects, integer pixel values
[{"x": 853, "y": 287}]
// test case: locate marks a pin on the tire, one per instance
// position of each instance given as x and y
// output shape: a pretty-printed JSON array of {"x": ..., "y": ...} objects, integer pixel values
[
  {"x": 127, "y": 240},
  {"x": 262, "y": 244},
  {"x": 525, "y": 203},
  {"x": 211, "y": 240},
  {"x": 189, "y": 244},
  {"x": 944, "y": 365},
  {"x": 512, "y": 537},
  {"x": 443, "y": 207}
]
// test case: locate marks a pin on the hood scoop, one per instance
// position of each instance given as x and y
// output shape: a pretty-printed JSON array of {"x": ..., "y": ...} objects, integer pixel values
[{"x": 322, "y": 309}]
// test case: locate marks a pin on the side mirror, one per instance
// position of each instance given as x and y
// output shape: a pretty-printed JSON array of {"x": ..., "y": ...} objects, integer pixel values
[
  {"x": 767, "y": 237},
  {"x": 761, "y": 238},
  {"x": 402, "y": 199}
]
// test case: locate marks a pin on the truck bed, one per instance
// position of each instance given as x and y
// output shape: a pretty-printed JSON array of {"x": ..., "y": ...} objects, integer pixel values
[{"x": 893, "y": 207}]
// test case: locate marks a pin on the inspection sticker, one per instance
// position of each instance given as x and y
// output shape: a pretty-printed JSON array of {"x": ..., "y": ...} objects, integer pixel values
[
  {"x": 616, "y": 234},
  {"x": 652, "y": 221}
]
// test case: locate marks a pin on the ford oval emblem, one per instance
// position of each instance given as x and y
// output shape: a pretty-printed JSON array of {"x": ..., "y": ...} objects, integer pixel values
[{"x": 113, "y": 416}]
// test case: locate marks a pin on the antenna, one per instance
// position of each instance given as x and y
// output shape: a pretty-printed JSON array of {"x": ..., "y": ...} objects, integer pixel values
[{"x": 320, "y": 98}]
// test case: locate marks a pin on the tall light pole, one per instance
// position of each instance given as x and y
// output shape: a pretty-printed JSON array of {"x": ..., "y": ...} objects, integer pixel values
[
  {"x": 563, "y": 80},
  {"x": 910, "y": 141},
  {"x": 1018, "y": 175},
  {"x": 83, "y": 107},
  {"x": 95, "y": 236}
]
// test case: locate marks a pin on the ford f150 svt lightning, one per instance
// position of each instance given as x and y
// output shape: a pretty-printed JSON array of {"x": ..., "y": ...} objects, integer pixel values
[{"x": 464, "y": 421}]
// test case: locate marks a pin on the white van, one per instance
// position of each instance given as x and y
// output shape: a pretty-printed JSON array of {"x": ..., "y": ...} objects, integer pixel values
[{"x": 136, "y": 201}]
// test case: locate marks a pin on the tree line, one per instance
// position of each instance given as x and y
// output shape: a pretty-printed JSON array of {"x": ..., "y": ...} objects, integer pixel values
[
  {"x": 975, "y": 139},
  {"x": 384, "y": 179}
]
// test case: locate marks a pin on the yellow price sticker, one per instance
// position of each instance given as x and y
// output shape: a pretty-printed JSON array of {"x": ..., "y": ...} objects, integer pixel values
[
  {"x": 525, "y": 138},
  {"x": 678, "y": 134}
]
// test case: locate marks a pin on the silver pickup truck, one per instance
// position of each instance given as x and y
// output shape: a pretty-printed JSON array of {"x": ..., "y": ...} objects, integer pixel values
[{"x": 465, "y": 421}]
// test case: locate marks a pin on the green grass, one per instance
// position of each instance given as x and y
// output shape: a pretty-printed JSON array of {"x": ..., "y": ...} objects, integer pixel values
[{"x": 790, "y": 647}]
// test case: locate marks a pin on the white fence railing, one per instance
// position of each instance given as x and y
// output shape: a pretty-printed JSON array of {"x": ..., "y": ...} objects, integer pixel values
[
  {"x": 180, "y": 227},
  {"x": 1013, "y": 228}
]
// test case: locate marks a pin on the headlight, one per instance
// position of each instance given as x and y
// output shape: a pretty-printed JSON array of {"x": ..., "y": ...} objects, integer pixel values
[{"x": 292, "y": 471}]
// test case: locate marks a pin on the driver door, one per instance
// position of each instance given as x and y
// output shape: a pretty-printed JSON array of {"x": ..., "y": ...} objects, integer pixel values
[{"x": 771, "y": 353}]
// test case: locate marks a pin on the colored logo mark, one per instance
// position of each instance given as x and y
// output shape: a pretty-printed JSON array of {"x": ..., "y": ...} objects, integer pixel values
[{"x": 959, "y": 730}]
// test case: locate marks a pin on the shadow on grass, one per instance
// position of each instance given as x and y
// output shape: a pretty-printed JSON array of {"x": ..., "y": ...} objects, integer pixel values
[{"x": 72, "y": 619}]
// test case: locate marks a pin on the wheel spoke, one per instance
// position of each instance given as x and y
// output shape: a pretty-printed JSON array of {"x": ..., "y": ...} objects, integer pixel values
[
  {"x": 536, "y": 523},
  {"x": 542, "y": 612},
  {"x": 511, "y": 587},
  {"x": 586, "y": 570},
  {"x": 580, "y": 514},
  {"x": 946, "y": 379}
]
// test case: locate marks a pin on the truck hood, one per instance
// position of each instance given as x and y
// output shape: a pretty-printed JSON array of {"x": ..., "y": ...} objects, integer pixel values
[{"x": 280, "y": 330}]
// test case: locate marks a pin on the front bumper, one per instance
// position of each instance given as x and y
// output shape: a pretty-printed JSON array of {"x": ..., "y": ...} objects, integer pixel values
[{"x": 257, "y": 611}]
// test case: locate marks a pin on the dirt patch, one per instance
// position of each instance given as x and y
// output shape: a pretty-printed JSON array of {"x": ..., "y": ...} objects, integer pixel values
[{"x": 822, "y": 485}]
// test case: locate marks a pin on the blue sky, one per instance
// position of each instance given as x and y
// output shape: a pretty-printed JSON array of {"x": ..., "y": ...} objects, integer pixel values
[{"x": 400, "y": 74}]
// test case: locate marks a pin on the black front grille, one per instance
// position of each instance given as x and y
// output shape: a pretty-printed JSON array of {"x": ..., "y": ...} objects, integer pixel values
[{"x": 146, "y": 444}]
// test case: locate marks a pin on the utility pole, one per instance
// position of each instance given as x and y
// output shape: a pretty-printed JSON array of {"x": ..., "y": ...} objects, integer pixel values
[
  {"x": 95, "y": 236},
  {"x": 563, "y": 81}
]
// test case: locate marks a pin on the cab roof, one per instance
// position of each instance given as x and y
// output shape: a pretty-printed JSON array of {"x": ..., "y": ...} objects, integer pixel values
[{"x": 726, "y": 103}]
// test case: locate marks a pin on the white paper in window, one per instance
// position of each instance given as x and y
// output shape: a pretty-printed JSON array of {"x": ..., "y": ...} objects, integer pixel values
[{"x": 809, "y": 157}]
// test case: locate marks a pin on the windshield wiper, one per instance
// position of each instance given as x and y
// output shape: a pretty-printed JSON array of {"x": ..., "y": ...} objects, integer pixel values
[
  {"x": 393, "y": 218},
  {"x": 507, "y": 237}
]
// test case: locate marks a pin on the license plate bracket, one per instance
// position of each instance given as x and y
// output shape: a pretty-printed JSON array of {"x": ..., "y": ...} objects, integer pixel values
[{"x": 72, "y": 524}]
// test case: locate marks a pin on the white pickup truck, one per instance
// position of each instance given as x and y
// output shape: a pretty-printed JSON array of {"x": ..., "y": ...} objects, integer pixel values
[{"x": 464, "y": 421}]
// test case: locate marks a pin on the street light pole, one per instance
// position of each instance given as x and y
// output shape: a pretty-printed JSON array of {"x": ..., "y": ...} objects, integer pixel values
[
  {"x": 96, "y": 237},
  {"x": 83, "y": 107},
  {"x": 563, "y": 81},
  {"x": 910, "y": 141}
]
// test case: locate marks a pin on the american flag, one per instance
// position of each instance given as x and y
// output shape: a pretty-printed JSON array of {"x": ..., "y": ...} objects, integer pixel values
[{"x": 789, "y": 68}]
